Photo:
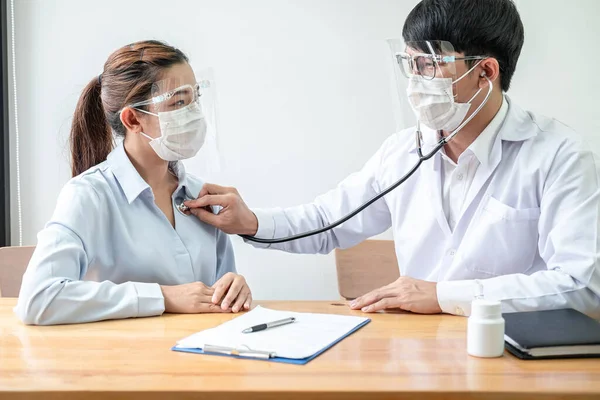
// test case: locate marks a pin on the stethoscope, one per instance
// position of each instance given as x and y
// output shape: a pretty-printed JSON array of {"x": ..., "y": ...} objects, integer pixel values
[
  {"x": 185, "y": 210},
  {"x": 182, "y": 208},
  {"x": 422, "y": 157}
]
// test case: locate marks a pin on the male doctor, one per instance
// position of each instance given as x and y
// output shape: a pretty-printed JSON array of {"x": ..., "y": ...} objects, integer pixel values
[{"x": 509, "y": 207}]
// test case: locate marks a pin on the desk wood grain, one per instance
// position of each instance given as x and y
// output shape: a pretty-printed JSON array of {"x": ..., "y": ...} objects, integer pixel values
[{"x": 395, "y": 356}]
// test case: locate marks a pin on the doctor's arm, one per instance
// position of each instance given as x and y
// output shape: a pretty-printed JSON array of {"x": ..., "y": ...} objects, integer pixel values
[
  {"x": 236, "y": 218},
  {"x": 569, "y": 243}
]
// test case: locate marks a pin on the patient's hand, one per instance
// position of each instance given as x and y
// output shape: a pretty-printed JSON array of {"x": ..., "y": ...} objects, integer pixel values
[
  {"x": 232, "y": 292},
  {"x": 190, "y": 298}
]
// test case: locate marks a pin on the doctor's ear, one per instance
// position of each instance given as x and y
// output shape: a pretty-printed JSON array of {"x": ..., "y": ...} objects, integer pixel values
[
  {"x": 130, "y": 119},
  {"x": 489, "y": 69}
]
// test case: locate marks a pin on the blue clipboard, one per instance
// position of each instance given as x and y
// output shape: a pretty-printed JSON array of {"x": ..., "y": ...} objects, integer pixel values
[{"x": 296, "y": 361}]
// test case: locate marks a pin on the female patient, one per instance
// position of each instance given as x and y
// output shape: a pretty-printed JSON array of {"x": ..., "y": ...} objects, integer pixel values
[{"x": 115, "y": 247}]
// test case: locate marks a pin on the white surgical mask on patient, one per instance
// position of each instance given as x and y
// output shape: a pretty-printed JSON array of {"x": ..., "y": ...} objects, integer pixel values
[{"x": 182, "y": 132}]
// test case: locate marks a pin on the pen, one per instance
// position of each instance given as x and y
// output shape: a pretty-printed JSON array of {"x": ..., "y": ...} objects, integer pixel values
[{"x": 268, "y": 325}]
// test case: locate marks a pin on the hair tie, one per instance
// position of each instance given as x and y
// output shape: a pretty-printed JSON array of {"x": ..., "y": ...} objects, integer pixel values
[{"x": 142, "y": 54}]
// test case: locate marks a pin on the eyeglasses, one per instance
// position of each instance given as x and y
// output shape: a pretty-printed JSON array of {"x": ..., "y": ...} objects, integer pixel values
[
  {"x": 174, "y": 99},
  {"x": 425, "y": 65}
]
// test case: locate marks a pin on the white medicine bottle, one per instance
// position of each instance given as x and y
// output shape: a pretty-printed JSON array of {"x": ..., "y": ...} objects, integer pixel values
[{"x": 485, "y": 329}]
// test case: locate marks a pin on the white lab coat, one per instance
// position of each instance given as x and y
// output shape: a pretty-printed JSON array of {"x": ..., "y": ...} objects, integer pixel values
[{"x": 529, "y": 229}]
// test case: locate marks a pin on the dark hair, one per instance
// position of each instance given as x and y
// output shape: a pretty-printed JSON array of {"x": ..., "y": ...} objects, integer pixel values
[
  {"x": 474, "y": 27},
  {"x": 128, "y": 76}
]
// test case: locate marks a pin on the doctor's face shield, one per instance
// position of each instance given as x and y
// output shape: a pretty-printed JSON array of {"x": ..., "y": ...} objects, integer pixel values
[
  {"x": 429, "y": 73},
  {"x": 180, "y": 116},
  {"x": 427, "y": 59}
]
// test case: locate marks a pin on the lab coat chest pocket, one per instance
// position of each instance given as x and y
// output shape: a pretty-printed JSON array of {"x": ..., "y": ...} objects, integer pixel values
[{"x": 502, "y": 239}]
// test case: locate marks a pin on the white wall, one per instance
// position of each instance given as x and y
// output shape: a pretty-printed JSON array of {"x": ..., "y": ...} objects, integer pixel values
[
  {"x": 305, "y": 92},
  {"x": 557, "y": 73}
]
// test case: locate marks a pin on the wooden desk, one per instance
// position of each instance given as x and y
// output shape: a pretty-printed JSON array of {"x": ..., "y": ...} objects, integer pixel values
[{"x": 395, "y": 356}]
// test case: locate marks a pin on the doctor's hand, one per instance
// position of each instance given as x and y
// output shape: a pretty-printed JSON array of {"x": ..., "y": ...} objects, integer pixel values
[
  {"x": 234, "y": 217},
  {"x": 190, "y": 298},
  {"x": 405, "y": 293},
  {"x": 232, "y": 292}
]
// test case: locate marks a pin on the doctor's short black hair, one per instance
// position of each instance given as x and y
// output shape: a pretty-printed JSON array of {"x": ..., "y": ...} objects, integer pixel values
[{"x": 473, "y": 27}]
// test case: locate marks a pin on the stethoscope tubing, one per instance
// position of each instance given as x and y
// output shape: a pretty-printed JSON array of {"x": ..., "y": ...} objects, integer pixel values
[{"x": 419, "y": 138}]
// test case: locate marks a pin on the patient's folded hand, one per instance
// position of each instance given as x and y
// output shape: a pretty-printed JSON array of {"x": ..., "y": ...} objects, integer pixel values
[
  {"x": 191, "y": 298},
  {"x": 232, "y": 292}
]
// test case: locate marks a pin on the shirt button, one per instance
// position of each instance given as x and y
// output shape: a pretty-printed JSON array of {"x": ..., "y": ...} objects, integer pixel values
[
  {"x": 459, "y": 311},
  {"x": 460, "y": 177},
  {"x": 452, "y": 252}
]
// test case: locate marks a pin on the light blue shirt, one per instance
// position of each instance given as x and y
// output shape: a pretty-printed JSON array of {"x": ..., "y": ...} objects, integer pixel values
[{"x": 108, "y": 247}]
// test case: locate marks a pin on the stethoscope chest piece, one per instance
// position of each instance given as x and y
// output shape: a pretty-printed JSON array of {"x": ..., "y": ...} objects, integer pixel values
[{"x": 182, "y": 208}]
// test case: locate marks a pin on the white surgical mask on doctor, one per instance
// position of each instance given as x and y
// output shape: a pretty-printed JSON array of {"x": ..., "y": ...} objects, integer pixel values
[
  {"x": 182, "y": 132},
  {"x": 432, "y": 101}
]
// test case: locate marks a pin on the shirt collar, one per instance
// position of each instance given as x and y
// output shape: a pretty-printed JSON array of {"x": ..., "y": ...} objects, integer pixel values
[
  {"x": 519, "y": 125},
  {"x": 131, "y": 181},
  {"x": 184, "y": 184},
  {"x": 482, "y": 145}
]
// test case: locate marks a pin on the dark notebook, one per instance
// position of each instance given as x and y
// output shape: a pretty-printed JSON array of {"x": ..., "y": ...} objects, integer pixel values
[{"x": 562, "y": 333}]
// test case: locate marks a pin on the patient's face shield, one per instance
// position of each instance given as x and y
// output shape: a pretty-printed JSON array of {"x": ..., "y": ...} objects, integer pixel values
[
  {"x": 174, "y": 94},
  {"x": 165, "y": 99}
]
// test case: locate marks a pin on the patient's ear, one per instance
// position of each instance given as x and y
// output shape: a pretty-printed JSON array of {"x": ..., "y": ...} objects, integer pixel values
[{"x": 130, "y": 119}]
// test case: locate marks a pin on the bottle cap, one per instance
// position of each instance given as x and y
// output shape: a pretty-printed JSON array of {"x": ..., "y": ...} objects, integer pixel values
[{"x": 486, "y": 308}]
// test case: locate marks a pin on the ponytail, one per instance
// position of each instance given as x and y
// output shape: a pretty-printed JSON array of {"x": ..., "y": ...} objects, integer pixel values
[{"x": 91, "y": 137}]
